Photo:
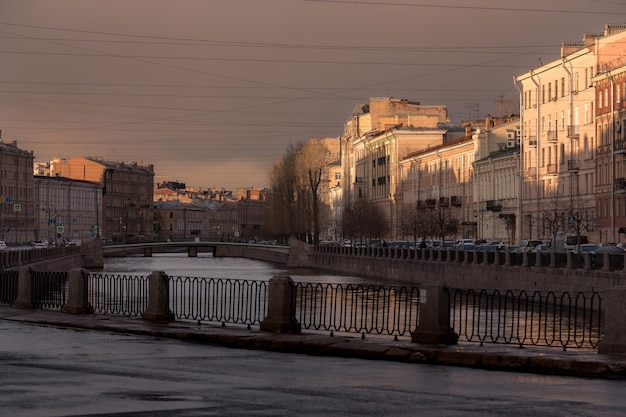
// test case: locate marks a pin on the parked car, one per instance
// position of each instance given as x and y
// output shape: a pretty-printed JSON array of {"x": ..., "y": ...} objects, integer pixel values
[
  {"x": 3, "y": 245},
  {"x": 40, "y": 245},
  {"x": 587, "y": 248}
]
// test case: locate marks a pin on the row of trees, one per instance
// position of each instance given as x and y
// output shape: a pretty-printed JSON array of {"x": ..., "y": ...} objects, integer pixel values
[{"x": 298, "y": 183}]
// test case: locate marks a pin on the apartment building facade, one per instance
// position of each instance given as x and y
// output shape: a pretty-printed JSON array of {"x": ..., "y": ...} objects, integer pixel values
[
  {"x": 610, "y": 110},
  {"x": 17, "y": 199},
  {"x": 376, "y": 137},
  {"x": 558, "y": 139},
  {"x": 67, "y": 209},
  {"x": 127, "y": 212}
]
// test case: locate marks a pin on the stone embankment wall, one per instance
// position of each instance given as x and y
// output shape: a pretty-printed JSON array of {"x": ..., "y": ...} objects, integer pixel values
[
  {"x": 465, "y": 275},
  {"x": 61, "y": 259},
  {"x": 261, "y": 253}
]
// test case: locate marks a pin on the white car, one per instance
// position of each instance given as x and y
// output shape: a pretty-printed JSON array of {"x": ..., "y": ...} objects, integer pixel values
[
  {"x": 3, "y": 245},
  {"x": 39, "y": 245}
]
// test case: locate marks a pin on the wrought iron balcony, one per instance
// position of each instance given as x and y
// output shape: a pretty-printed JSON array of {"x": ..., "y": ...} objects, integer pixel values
[
  {"x": 456, "y": 201},
  {"x": 553, "y": 136},
  {"x": 552, "y": 169},
  {"x": 620, "y": 185},
  {"x": 573, "y": 165},
  {"x": 494, "y": 205},
  {"x": 573, "y": 131}
]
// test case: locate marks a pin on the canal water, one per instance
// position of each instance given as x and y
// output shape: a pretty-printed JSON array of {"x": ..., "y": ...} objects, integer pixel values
[{"x": 206, "y": 266}]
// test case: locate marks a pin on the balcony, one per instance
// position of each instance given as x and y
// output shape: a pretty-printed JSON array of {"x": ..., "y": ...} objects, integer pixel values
[
  {"x": 444, "y": 201},
  {"x": 456, "y": 201},
  {"x": 573, "y": 131},
  {"x": 431, "y": 203},
  {"x": 552, "y": 169},
  {"x": 620, "y": 185},
  {"x": 620, "y": 146},
  {"x": 531, "y": 172},
  {"x": 573, "y": 165},
  {"x": 553, "y": 136},
  {"x": 421, "y": 204},
  {"x": 532, "y": 141},
  {"x": 494, "y": 205}
]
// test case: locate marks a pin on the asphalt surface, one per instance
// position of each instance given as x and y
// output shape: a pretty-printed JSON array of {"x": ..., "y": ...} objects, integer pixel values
[{"x": 537, "y": 360}]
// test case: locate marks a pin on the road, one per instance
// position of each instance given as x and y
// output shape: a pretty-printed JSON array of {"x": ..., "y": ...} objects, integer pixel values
[{"x": 50, "y": 371}]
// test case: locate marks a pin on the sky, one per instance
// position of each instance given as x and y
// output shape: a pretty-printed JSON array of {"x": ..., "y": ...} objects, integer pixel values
[{"x": 213, "y": 92}]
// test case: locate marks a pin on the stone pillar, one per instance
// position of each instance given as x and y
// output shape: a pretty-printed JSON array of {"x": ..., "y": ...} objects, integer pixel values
[
  {"x": 434, "y": 316},
  {"x": 24, "y": 288},
  {"x": 192, "y": 251},
  {"x": 281, "y": 307},
  {"x": 158, "y": 298},
  {"x": 570, "y": 261},
  {"x": 77, "y": 302},
  {"x": 587, "y": 258},
  {"x": 614, "y": 340},
  {"x": 606, "y": 261}
]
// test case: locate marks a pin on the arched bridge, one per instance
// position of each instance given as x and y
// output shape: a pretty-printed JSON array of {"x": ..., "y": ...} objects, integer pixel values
[{"x": 269, "y": 253}]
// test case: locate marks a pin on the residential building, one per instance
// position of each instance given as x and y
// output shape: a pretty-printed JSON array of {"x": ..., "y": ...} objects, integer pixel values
[
  {"x": 17, "y": 200},
  {"x": 558, "y": 138},
  {"x": 376, "y": 137},
  {"x": 496, "y": 181},
  {"x": 437, "y": 184},
  {"x": 610, "y": 110},
  {"x": 127, "y": 194},
  {"x": 67, "y": 209}
]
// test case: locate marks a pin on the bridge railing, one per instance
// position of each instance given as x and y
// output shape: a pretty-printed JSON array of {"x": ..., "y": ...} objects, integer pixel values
[
  {"x": 357, "y": 308},
  {"x": 587, "y": 261},
  {"x": 564, "y": 320},
  {"x": 528, "y": 318}
]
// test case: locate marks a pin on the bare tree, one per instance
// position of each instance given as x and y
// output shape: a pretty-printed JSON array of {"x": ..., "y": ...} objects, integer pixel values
[
  {"x": 581, "y": 220},
  {"x": 312, "y": 161},
  {"x": 416, "y": 222},
  {"x": 443, "y": 222},
  {"x": 364, "y": 221},
  {"x": 298, "y": 188}
]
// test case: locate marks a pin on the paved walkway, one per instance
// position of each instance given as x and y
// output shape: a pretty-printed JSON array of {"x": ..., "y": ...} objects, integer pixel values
[{"x": 580, "y": 363}]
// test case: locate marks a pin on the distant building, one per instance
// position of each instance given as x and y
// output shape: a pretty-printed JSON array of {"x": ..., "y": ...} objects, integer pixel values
[
  {"x": 17, "y": 200},
  {"x": 67, "y": 209},
  {"x": 127, "y": 213},
  {"x": 376, "y": 137}
]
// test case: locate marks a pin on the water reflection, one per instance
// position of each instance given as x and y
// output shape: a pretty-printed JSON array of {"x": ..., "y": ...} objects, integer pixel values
[{"x": 206, "y": 266}]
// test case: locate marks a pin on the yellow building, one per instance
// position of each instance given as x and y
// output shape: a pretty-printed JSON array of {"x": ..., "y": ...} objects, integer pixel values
[{"x": 376, "y": 137}]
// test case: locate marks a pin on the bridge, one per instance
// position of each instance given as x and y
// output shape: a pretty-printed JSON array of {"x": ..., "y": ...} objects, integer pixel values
[{"x": 269, "y": 253}]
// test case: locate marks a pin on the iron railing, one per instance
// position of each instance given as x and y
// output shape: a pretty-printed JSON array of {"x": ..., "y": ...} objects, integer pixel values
[
  {"x": 371, "y": 309},
  {"x": 125, "y": 295},
  {"x": 527, "y": 318},
  {"x": 8, "y": 286},
  {"x": 49, "y": 290},
  {"x": 216, "y": 299}
]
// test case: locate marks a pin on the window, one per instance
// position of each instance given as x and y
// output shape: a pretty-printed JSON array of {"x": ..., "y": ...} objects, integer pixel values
[
  {"x": 563, "y": 87},
  {"x": 338, "y": 175},
  {"x": 556, "y": 90},
  {"x": 600, "y": 101}
]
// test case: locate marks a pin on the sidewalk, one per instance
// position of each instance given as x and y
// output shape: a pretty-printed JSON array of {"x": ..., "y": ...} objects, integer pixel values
[{"x": 553, "y": 361}]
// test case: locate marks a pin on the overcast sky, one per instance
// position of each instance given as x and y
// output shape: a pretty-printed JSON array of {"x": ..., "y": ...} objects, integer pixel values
[{"x": 211, "y": 92}]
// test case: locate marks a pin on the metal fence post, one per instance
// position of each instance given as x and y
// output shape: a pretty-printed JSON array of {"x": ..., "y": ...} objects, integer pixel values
[
  {"x": 77, "y": 302},
  {"x": 614, "y": 340},
  {"x": 158, "y": 298},
  {"x": 24, "y": 288},
  {"x": 434, "y": 316},
  {"x": 281, "y": 307}
]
